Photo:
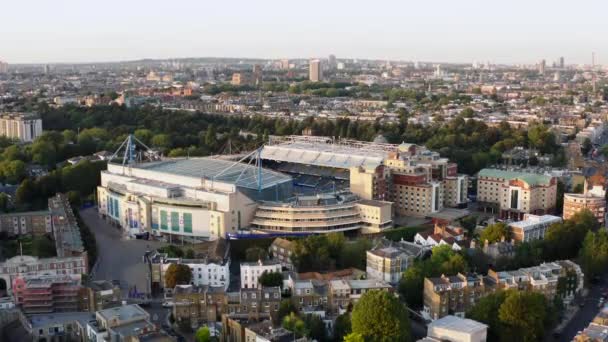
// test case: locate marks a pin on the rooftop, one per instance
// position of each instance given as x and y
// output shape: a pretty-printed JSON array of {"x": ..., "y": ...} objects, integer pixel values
[
  {"x": 123, "y": 312},
  {"x": 240, "y": 174},
  {"x": 530, "y": 178},
  {"x": 534, "y": 220},
  {"x": 458, "y": 324},
  {"x": 44, "y": 320}
]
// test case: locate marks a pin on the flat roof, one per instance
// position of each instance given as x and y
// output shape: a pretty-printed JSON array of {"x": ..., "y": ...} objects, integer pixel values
[
  {"x": 532, "y": 220},
  {"x": 240, "y": 174},
  {"x": 458, "y": 324},
  {"x": 43, "y": 320}
]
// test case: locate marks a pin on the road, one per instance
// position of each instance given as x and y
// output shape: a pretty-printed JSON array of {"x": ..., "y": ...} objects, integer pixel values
[
  {"x": 118, "y": 259},
  {"x": 585, "y": 314}
]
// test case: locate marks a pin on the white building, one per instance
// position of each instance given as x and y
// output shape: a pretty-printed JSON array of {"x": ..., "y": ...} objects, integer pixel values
[
  {"x": 456, "y": 329},
  {"x": 532, "y": 227},
  {"x": 21, "y": 126},
  {"x": 251, "y": 271},
  {"x": 195, "y": 198},
  {"x": 204, "y": 272}
]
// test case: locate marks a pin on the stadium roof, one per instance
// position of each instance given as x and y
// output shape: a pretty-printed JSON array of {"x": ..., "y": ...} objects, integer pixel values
[
  {"x": 322, "y": 151},
  {"x": 240, "y": 174}
]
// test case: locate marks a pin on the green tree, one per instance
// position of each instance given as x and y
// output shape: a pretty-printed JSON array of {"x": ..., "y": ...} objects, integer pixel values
[
  {"x": 295, "y": 324},
  {"x": 285, "y": 308},
  {"x": 594, "y": 253},
  {"x": 469, "y": 223},
  {"x": 523, "y": 315},
  {"x": 342, "y": 327},
  {"x": 271, "y": 279},
  {"x": 161, "y": 140},
  {"x": 315, "y": 327},
  {"x": 486, "y": 311},
  {"x": 43, "y": 247},
  {"x": 203, "y": 334},
  {"x": 495, "y": 232},
  {"x": 177, "y": 274},
  {"x": 379, "y": 316}
]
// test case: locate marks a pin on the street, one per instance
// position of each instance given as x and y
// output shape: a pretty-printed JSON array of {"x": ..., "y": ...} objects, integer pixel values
[{"x": 585, "y": 314}]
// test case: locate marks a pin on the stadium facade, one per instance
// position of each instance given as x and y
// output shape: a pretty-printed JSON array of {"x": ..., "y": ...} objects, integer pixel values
[{"x": 200, "y": 198}]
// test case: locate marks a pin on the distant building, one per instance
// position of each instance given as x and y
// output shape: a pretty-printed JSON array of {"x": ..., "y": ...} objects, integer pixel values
[
  {"x": 593, "y": 199},
  {"x": 597, "y": 329},
  {"x": 513, "y": 194},
  {"x": 251, "y": 272},
  {"x": 331, "y": 62},
  {"x": 3, "y": 67},
  {"x": 456, "y": 329},
  {"x": 122, "y": 323},
  {"x": 25, "y": 127},
  {"x": 315, "y": 73},
  {"x": 239, "y": 79},
  {"x": 532, "y": 227},
  {"x": 341, "y": 293}
]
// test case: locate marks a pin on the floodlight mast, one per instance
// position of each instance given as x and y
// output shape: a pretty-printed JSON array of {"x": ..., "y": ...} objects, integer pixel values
[{"x": 128, "y": 151}]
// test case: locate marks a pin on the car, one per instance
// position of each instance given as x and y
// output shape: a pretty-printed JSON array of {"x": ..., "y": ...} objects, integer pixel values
[{"x": 168, "y": 304}]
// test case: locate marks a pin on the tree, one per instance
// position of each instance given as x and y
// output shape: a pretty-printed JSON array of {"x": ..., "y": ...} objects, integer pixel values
[
  {"x": 564, "y": 240},
  {"x": 311, "y": 254},
  {"x": 43, "y": 247},
  {"x": 203, "y": 334},
  {"x": 285, "y": 308},
  {"x": 189, "y": 254},
  {"x": 379, "y": 316},
  {"x": 271, "y": 279},
  {"x": 587, "y": 146},
  {"x": 315, "y": 327},
  {"x": 161, "y": 140},
  {"x": 495, "y": 232},
  {"x": 469, "y": 223},
  {"x": 177, "y": 274},
  {"x": 486, "y": 311},
  {"x": 342, "y": 327},
  {"x": 295, "y": 324},
  {"x": 255, "y": 253},
  {"x": 523, "y": 314},
  {"x": 354, "y": 337},
  {"x": 594, "y": 253}
]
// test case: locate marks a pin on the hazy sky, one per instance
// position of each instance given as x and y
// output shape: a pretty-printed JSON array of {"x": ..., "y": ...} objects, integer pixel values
[{"x": 507, "y": 31}]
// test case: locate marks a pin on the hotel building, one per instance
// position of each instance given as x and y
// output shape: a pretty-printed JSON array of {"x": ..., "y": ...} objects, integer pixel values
[{"x": 513, "y": 194}]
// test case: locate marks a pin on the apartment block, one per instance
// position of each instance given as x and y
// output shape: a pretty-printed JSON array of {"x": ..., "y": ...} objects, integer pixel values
[
  {"x": 25, "y": 127},
  {"x": 198, "y": 304},
  {"x": 513, "y": 194},
  {"x": 454, "y": 295},
  {"x": 26, "y": 223},
  {"x": 48, "y": 293},
  {"x": 388, "y": 260}
]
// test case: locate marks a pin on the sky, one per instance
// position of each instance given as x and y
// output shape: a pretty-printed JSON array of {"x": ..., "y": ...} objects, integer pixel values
[{"x": 507, "y": 31}]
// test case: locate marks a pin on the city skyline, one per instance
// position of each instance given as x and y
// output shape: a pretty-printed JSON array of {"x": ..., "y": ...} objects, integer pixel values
[{"x": 442, "y": 31}]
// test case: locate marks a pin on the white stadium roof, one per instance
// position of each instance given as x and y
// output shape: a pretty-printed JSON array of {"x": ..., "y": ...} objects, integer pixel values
[{"x": 322, "y": 151}]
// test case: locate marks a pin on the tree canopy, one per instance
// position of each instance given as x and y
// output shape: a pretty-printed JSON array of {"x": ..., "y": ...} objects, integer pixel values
[
  {"x": 177, "y": 274},
  {"x": 379, "y": 316}
]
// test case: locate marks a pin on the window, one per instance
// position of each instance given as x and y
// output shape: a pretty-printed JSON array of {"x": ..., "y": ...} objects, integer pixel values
[
  {"x": 163, "y": 220},
  {"x": 187, "y": 223},
  {"x": 175, "y": 222}
]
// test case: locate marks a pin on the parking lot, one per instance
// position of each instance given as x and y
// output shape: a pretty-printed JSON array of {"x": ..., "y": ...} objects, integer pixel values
[{"x": 118, "y": 258}]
